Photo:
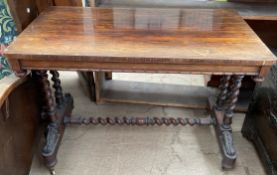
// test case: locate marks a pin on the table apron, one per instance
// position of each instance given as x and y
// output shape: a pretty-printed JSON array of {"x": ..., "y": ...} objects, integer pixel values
[{"x": 134, "y": 67}]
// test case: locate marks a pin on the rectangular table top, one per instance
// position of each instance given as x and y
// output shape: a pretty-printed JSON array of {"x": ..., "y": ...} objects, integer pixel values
[{"x": 140, "y": 35}]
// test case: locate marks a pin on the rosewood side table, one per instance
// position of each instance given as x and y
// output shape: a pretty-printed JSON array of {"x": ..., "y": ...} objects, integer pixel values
[{"x": 193, "y": 41}]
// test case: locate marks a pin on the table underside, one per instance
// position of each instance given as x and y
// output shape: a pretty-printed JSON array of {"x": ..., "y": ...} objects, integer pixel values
[{"x": 57, "y": 109}]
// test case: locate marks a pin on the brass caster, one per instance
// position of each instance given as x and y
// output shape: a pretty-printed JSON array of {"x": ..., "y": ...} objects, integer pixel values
[{"x": 52, "y": 172}]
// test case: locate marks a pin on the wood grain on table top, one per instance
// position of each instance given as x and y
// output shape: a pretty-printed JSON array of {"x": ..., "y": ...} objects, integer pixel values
[{"x": 141, "y": 35}]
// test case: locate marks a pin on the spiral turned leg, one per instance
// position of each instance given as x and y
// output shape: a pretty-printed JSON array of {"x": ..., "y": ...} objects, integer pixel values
[
  {"x": 224, "y": 84},
  {"x": 232, "y": 100},
  {"x": 226, "y": 130},
  {"x": 55, "y": 113},
  {"x": 223, "y": 113},
  {"x": 48, "y": 108},
  {"x": 57, "y": 86}
]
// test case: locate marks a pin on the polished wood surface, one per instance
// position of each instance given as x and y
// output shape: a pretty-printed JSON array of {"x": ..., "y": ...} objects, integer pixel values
[{"x": 182, "y": 40}]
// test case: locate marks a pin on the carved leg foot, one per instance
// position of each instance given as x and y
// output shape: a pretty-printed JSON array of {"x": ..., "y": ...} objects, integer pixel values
[
  {"x": 224, "y": 138},
  {"x": 223, "y": 114},
  {"x": 229, "y": 152},
  {"x": 54, "y": 111},
  {"x": 55, "y": 131}
]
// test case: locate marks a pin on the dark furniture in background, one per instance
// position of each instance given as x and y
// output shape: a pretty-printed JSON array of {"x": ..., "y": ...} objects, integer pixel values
[
  {"x": 19, "y": 125},
  {"x": 260, "y": 125},
  {"x": 266, "y": 29},
  {"x": 25, "y": 11}
]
